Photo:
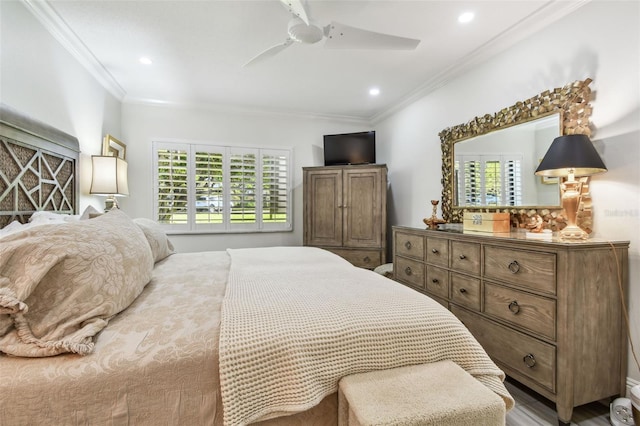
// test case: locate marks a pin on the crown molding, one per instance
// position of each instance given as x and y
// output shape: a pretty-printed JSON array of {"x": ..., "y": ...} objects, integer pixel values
[
  {"x": 545, "y": 15},
  {"x": 247, "y": 110},
  {"x": 539, "y": 19},
  {"x": 53, "y": 23}
]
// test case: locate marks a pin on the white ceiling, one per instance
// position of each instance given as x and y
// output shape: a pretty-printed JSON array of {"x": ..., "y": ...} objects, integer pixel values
[{"x": 198, "y": 49}]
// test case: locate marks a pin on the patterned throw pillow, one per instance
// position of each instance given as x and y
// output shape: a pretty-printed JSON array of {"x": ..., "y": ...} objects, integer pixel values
[{"x": 60, "y": 284}]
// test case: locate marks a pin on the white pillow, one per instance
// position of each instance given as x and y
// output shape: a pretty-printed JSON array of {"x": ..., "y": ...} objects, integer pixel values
[
  {"x": 160, "y": 245},
  {"x": 47, "y": 218}
]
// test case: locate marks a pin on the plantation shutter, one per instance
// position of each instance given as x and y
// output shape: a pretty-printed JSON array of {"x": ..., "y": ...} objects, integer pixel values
[
  {"x": 492, "y": 188},
  {"x": 472, "y": 183},
  {"x": 513, "y": 181},
  {"x": 209, "y": 204},
  {"x": 243, "y": 181},
  {"x": 276, "y": 202},
  {"x": 172, "y": 186}
]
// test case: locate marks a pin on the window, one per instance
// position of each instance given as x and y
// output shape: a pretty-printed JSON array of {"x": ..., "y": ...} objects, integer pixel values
[
  {"x": 488, "y": 179},
  {"x": 209, "y": 188}
]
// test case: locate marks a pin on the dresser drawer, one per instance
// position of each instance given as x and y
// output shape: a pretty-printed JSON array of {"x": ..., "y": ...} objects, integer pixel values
[
  {"x": 524, "y": 310},
  {"x": 362, "y": 258},
  {"x": 465, "y": 291},
  {"x": 438, "y": 251},
  {"x": 465, "y": 257},
  {"x": 409, "y": 245},
  {"x": 438, "y": 281},
  {"x": 529, "y": 269},
  {"x": 409, "y": 271},
  {"x": 522, "y": 356}
]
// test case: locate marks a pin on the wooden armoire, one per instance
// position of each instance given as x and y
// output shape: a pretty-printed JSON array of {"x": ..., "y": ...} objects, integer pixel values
[{"x": 345, "y": 211}]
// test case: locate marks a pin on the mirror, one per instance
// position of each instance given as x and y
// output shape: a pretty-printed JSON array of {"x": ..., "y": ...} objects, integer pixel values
[
  {"x": 497, "y": 168},
  {"x": 570, "y": 107}
]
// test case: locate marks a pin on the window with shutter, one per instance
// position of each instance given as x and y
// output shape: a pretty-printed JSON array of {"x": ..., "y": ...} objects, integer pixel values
[
  {"x": 210, "y": 188},
  {"x": 488, "y": 180}
]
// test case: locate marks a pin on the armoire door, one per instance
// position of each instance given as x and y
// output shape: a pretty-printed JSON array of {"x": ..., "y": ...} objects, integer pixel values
[
  {"x": 363, "y": 207},
  {"x": 323, "y": 208}
]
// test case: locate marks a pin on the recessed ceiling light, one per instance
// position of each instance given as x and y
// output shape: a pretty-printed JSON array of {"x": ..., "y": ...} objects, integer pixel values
[
  {"x": 146, "y": 61},
  {"x": 374, "y": 91},
  {"x": 465, "y": 17}
]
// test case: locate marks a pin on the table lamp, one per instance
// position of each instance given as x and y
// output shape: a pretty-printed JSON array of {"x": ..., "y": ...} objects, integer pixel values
[
  {"x": 570, "y": 156},
  {"x": 109, "y": 177}
]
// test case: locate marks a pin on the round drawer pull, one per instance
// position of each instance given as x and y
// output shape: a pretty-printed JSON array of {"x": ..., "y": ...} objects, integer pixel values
[
  {"x": 366, "y": 259},
  {"x": 462, "y": 257},
  {"x": 514, "y": 267},
  {"x": 463, "y": 290},
  {"x": 529, "y": 360},
  {"x": 408, "y": 245},
  {"x": 407, "y": 270},
  {"x": 435, "y": 251},
  {"x": 435, "y": 281},
  {"x": 514, "y": 307}
]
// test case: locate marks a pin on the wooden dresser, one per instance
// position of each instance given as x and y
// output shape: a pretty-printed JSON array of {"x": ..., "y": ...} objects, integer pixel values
[
  {"x": 548, "y": 313},
  {"x": 345, "y": 211}
]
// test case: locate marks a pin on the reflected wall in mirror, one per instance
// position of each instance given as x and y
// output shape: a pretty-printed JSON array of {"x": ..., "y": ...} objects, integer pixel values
[
  {"x": 497, "y": 169},
  {"x": 569, "y": 104}
]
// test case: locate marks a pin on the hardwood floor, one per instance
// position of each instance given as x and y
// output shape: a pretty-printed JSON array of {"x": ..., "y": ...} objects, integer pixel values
[{"x": 531, "y": 409}]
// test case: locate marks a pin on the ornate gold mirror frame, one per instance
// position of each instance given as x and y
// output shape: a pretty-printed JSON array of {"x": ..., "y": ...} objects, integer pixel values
[{"x": 572, "y": 101}]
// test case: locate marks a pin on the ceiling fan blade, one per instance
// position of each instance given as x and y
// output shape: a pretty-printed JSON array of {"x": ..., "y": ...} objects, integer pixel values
[
  {"x": 297, "y": 8},
  {"x": 340, "y": 36},
  {"x": 270, "y": 52}
]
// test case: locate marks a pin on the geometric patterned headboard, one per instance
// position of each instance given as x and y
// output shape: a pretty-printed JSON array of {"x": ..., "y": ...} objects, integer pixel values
[{"x": 38, "y": 168}]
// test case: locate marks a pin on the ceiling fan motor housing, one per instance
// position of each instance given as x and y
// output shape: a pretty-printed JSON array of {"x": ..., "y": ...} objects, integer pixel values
[{"x": 303, "y": 33}]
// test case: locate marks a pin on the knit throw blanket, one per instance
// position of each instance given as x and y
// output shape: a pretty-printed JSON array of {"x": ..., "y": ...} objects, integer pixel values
[{"x": 297, "y": 319}]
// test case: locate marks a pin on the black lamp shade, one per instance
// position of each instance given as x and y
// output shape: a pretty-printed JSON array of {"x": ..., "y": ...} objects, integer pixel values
[{"x": 571, "y": 153}]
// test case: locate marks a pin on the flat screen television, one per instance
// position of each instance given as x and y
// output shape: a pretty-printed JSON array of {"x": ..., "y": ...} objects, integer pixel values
[{"x": 350, "y": 148}]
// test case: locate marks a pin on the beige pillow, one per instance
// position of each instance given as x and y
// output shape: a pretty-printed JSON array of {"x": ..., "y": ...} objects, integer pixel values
[
  {"x": 60, "y": 284},
  {"x": 160, "y": 245}
]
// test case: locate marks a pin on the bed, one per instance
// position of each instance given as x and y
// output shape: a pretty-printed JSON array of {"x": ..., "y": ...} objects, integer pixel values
[{"x": 102, "y": 323}]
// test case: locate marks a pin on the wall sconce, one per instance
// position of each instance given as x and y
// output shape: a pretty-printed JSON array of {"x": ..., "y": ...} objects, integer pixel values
[
  {"x": 109, "y": 177},
  {"x": 570, "y": 156}
]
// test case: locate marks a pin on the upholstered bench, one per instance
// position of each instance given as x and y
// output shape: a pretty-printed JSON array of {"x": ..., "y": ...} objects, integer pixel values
[
  {"x": 440, "y": 393},
  {"x": 385, "y": 270}
]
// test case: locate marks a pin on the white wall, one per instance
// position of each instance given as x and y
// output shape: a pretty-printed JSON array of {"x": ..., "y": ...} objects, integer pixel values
[
  {"x": 141, "y": 124},
  {"x": 601, "y": 41},
  {"x": 40, "y": 78}
]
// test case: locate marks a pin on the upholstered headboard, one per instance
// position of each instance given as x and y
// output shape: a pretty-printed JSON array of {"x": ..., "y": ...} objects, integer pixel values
[{"x": 38, "y": 168}]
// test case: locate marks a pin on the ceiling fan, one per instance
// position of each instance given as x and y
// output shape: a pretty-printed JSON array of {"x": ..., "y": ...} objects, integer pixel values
[{"x": 303, "y": 30}]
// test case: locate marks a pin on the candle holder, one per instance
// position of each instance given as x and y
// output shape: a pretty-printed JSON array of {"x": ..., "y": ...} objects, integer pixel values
[{"x": 433, "y": 221}]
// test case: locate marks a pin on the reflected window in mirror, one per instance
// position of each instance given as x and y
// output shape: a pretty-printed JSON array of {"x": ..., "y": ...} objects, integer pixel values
[
  {"x": 487, "y": 180},
  {"x": 497, "y": 169}
]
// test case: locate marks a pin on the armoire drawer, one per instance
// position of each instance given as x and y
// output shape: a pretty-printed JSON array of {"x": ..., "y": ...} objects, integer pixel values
[
  {"x": 525, "y": 355},
  {"x": 409, "y": 245},
  {"x": 409, "y": 272},
  {"x": 369, "y": 259},
  {"x": 523, "y": 310},
  {"x": 529, "y": 269}
]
